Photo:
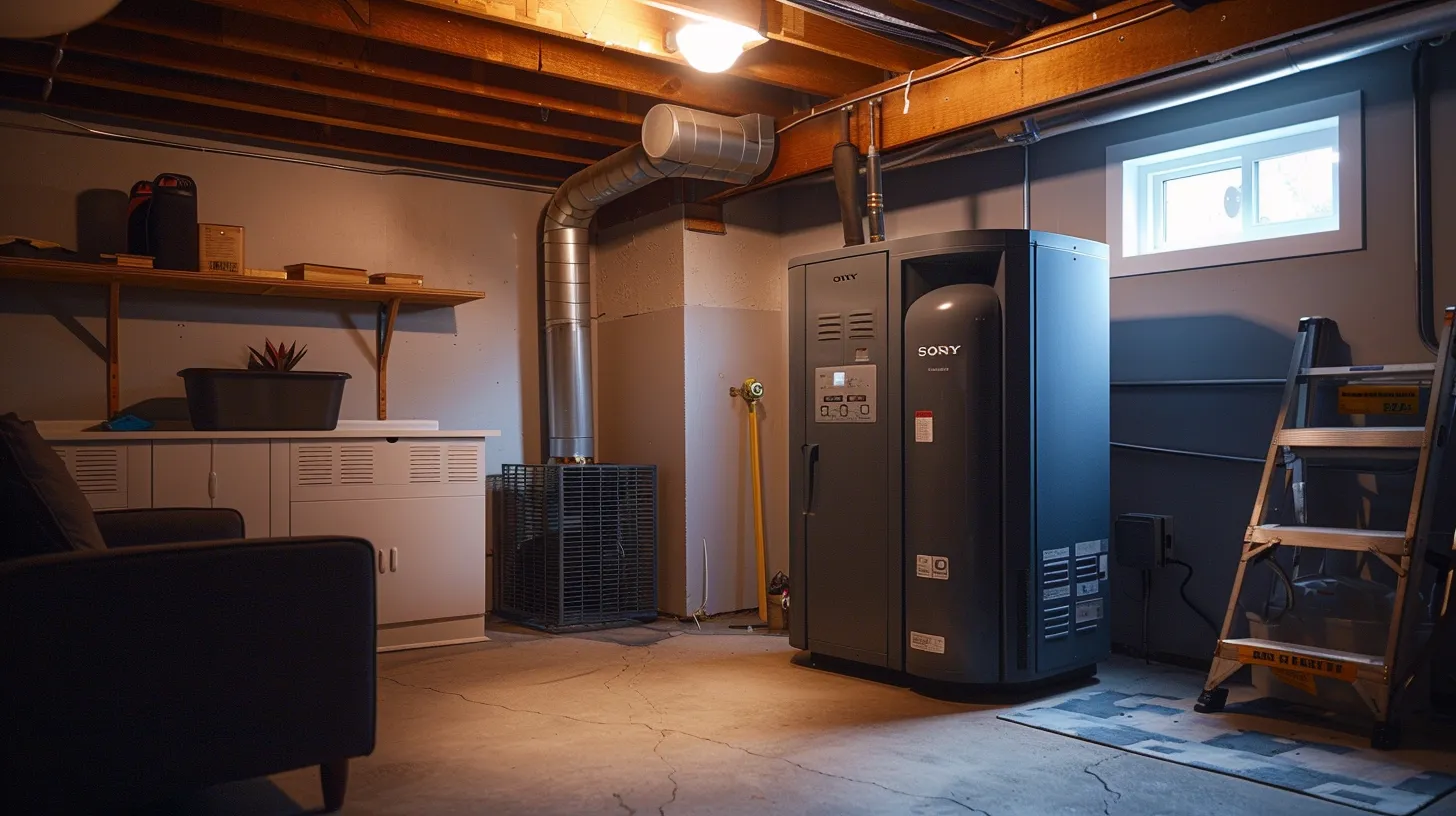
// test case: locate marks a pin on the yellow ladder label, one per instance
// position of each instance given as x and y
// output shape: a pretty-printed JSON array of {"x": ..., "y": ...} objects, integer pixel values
[
  {"x": 1337, "y": 669},
  {"x": 1380, "y": 399},
  {"x": 1304, "y": 681}
]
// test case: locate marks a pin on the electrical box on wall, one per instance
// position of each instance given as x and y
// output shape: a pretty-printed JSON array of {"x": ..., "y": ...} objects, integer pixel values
[{"x": 1143, "y": 540}]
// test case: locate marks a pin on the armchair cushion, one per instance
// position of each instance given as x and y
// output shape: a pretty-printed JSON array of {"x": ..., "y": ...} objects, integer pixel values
[
  {"x": 133, "y": 528},
  {"x": 42, "y": 510}
]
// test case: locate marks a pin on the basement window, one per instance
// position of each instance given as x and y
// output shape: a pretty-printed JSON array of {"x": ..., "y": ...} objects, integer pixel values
[{"x": 1277, "y": 184}]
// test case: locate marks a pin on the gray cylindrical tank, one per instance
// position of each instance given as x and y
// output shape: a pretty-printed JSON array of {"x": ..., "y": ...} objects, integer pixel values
[{"x": 953, "y": 476}]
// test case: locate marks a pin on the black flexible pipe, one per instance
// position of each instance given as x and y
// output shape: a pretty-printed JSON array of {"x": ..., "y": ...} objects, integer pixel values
[
  {"x": 1425, "y": 229},
  {"x": 1183, "y": 591},
  {"x": 846, "y": 183}
]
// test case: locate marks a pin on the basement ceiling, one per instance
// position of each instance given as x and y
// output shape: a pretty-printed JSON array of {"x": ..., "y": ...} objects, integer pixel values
[{"x": 531, "y": 90}]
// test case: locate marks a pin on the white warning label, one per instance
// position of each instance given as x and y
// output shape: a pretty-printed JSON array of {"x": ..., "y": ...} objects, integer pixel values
[
  {"x": 1055, "y": 593},
  {"x": 1091, "y": 547},
  {"x": 1056, "y": 554},
  {"x": 1087, "y": 587},
  {"x": 1089, "y": 611},
  {"x": 924, "y": 426},
  {"x": 935, "y": 567},
  {"x": 927, "y": 643}
]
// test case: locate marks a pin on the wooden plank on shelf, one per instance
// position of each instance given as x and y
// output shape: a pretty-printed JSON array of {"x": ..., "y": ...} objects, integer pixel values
[{"x": 111, "y": 276}]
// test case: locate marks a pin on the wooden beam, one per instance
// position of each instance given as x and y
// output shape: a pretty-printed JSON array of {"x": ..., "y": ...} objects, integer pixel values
[
  {"x": 912, "y": 12},
  {"x": 461, "y": 35},
  {"x": 988, "y": 91},
  {"x": 218, "y": 28},
  {"x": 111, "y": 74},
  {"x": 113, "y": 350},
  {"x": 793, "y": 25},
  {"x": 185, "y": 56},
  {"x": 631, "y": 28},
  {"x": 203, "y": 119}
]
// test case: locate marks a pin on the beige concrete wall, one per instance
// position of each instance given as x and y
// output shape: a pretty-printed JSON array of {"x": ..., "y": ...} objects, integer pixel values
[{"x": 470, "y": 367}]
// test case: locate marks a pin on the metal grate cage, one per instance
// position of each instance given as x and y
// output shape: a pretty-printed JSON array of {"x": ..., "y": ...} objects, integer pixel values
[{"x": 579, "y": 544}]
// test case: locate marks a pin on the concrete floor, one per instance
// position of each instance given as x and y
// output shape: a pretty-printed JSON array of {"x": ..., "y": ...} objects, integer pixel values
[{"x": 665, "y": 720}]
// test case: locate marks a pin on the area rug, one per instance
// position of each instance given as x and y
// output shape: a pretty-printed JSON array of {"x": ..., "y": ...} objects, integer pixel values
[{"x": 1317, "y": 762}]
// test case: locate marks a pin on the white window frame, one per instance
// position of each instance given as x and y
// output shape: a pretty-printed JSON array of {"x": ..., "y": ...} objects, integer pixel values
[{"x": 1296, "y": 128}]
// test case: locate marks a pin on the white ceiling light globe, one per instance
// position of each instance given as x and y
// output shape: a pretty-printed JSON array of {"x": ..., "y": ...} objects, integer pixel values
[
  {"x": 43, "y": 18},
  {"x": 713, "y": 47}
]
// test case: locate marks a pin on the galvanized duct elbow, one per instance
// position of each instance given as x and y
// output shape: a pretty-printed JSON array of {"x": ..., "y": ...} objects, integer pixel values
[{"x": 676, "y": 142}]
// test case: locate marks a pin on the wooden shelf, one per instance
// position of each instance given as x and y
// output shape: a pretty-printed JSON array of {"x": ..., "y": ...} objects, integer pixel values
[
  {"x": 389, "y": 299},
  {"x": 70, "y": 272}
]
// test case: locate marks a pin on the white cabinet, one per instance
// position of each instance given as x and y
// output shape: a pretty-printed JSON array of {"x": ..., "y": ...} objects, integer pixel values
[
  {"x": 222, "y": 473},
  {"x": 429, "y": 552},
  {"x": 419, "y": 499}
]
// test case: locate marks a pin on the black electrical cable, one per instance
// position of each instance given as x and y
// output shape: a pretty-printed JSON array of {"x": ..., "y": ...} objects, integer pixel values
[{"x": 1183, "y": 591}]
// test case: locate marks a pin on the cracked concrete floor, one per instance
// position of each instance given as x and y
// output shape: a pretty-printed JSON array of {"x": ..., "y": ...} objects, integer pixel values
[{"x": 662, "y": 720}]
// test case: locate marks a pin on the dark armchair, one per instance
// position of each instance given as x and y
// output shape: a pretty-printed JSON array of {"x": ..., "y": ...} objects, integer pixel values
[{"x": 182, "y": 656}]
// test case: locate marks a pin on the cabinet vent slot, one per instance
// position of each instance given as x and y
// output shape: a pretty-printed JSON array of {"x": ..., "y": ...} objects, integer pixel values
[
  {"x": 96, "y": 470},
  {"x": 861, "y": 325},
  {"x": 462, "y": 464},
  {"x": 315, "y": 465},
  {"x": 356, "y": 464},
  {"x": 831, "y": 326},
  {"x": 424, "y": 464}
]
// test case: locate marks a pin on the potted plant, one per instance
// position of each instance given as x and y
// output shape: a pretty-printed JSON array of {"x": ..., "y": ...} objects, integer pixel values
[{"x": 268, "y": 395}]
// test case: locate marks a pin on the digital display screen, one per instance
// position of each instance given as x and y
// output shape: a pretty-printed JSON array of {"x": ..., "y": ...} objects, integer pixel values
[{"x": 839, "y": 379}]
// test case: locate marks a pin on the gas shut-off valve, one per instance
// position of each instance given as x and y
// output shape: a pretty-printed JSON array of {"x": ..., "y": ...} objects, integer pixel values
[{"x": 751, "y": 391}]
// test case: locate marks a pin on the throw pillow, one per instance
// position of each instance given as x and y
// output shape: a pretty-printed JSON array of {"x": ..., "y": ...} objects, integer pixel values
[{"x": 42, "y": 509}]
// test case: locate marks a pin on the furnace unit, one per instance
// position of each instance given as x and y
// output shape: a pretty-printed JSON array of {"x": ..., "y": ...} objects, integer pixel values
[{"x": 949, "y": 455}]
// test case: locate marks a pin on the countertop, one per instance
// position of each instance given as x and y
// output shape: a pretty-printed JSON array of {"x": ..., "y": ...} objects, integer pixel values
[{"x": 77, "y": 431}]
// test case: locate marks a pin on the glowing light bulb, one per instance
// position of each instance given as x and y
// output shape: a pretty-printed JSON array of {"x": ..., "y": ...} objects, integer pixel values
[
  {"x": 713, "y": 46},
  {"x": 944, "y": 306}
]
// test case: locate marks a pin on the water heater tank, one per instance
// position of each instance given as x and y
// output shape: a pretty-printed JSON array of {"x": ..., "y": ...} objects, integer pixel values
[{"x": 953, "y": 478}]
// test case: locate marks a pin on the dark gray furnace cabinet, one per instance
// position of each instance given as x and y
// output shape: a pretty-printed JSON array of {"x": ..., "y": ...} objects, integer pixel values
[{"x": 949, "y": 504}]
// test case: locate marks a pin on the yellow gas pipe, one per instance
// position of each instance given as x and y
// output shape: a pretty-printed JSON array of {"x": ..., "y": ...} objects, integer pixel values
[{"x": 751, "y": 392}]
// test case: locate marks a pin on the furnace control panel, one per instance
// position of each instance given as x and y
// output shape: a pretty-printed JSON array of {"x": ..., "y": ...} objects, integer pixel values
[{"x": 845, "y": 394}]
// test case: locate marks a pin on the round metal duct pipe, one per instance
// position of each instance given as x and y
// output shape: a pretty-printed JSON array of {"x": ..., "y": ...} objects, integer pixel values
[{"x": 676, "y": 142}]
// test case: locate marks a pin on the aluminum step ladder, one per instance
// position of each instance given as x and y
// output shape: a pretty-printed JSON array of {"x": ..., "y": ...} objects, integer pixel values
[{"x": 1377, "y": 679}]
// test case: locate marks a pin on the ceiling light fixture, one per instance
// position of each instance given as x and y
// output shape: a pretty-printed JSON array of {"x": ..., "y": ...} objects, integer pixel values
[{"x": 712, "y": 46}]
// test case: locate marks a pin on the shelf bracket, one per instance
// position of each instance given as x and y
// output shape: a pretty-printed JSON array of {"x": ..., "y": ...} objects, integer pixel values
[
  {"x": 387, "y": 313},
  {"x": 113, "y": 351}
]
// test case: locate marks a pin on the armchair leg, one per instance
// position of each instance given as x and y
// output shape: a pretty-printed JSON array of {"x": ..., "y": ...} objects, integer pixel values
[{"x": 335, "y": 778}]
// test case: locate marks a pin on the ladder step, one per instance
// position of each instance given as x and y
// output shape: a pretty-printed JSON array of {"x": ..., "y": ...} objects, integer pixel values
[
  {"x": 1422, "y": 371},
  {"x": 1313, "y": 659},
  {"x": 1389, "y": 542},
  {"x": 1351, "y": 437}
]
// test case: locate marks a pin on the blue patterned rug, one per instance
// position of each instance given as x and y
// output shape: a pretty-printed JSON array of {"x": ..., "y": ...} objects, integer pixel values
[{"x": 1306, "y": 759}]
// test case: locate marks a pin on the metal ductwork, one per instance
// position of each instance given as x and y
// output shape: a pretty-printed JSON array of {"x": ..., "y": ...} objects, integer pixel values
[
  {"x": 676, "y": 142},
  {"x": 1230, "y": 74}
]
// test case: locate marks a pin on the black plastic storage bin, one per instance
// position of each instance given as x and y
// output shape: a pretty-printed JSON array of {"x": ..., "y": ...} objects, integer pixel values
[{"x": 234, "y": 399}]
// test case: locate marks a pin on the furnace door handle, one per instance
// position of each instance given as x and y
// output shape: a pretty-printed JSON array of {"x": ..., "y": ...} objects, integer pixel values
[{"x": 811, "y": 461}]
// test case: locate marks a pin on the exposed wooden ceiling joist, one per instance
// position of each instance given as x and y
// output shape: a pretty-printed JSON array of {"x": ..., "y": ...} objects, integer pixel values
[
  {"x": 25, "y": 90},
  {"x": 462, "y": 35},
  {"x": 229, "y": 31},
  {"x": 118, "y": 75},
  {"x": 988, "y": 91}
]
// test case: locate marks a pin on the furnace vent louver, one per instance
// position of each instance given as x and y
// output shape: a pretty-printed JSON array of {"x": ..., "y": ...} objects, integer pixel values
[
  {"x": 830, "y": 326},
  {"x": 1056, "y": 585},
  {"x": 861, "y": 325},
  {"x": 580, "y": 544}
]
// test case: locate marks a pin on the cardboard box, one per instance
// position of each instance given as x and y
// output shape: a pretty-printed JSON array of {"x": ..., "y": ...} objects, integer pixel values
[{"x": 220, "y": 249}]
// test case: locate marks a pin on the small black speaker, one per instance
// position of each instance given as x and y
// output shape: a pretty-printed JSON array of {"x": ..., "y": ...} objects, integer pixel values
[{"x": 162, "y": 221}]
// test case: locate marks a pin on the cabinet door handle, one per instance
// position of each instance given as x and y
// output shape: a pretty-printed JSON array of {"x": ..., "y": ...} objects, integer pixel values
[
  {"x": 380, "y": 553},
  {"x": 212, "y": 485},
  {"x": 393, "y": 559}
]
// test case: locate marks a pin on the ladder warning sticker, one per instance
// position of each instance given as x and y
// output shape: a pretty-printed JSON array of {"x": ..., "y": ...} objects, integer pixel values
[
  {"x": 1304, "y": 681},
  {"x": 1380, "y": 399},
  {"x": 1338, "y": 669},
  {"x": 927, "y": 643},
  {"x": 924, "y": 426},
  {"x": 935, "y": 567}
]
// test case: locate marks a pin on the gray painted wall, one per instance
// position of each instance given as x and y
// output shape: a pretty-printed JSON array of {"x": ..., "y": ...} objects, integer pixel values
[
  {"x": 470, "y": 367},
  {"x": 1232, "y": 321}
]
